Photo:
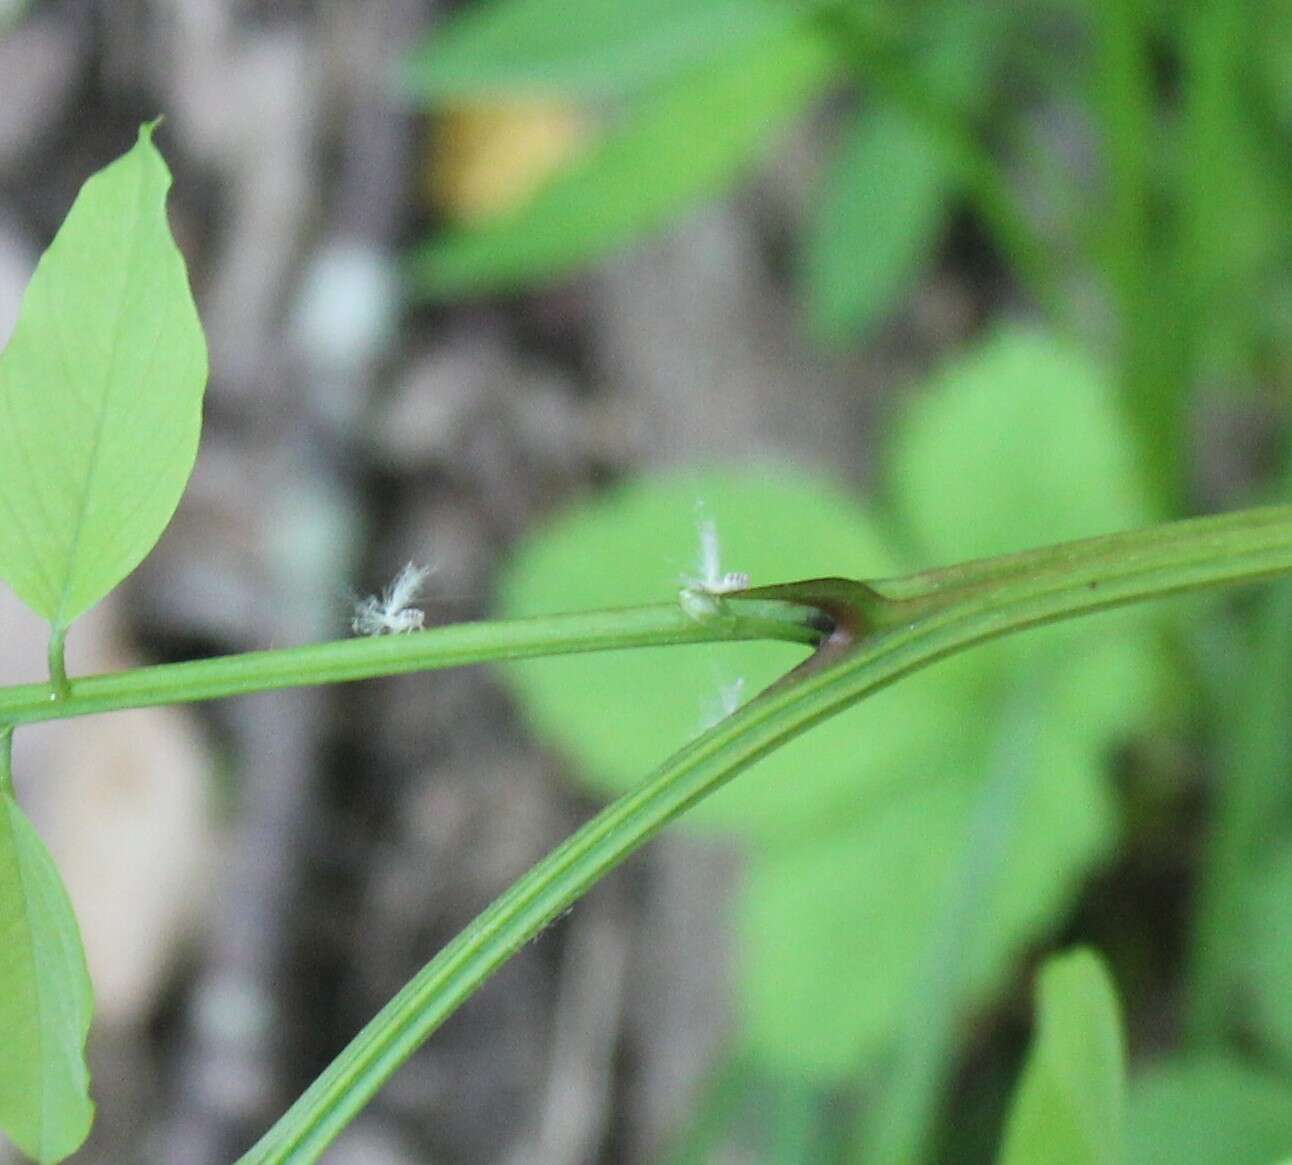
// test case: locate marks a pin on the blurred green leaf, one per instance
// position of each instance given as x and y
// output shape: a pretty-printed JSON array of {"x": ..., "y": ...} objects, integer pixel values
[
  {"x": 677, "y": 148},
  {"x": 1273, "y": 57},
  {"x": 618, "y": 715},
  {"x": 1241, "y": 938},
  {"x": 1070, "y": 1105},
  {"x": 1208, "y": 1111},
  {"x": 884, "y": 202},
  {"x": 101, "y": 394},
  {"x": 879, "y": 218},
  {"x": 1018, "y": 444},
  {"x": 45, "y": 999},
  {"x": 580, "y": 47},
  {"x": 1232, "y": 236},
  {"x": 833, "y": 934},
  {"x": 11, "y": 12},
  {"x": 1269, "y": 948},
  {"x": 897, "y": 1126}
]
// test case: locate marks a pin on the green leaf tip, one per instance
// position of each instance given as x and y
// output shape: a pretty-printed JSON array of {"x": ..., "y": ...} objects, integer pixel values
[
  {"x": 46, "y": 1000},
  {"x": 101, "y": 393},
  {"x": 1070, "y": 1105}
]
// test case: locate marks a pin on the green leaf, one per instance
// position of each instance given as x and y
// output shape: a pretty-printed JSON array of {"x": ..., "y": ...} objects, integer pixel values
[
  {"x": 885, "y": 198},
  {"x": 1019, "y": 443},
  {"x": 583, "y": 47},
  {"x": 1241, "y": 936},
  {"x": 1208, "y": 1110},
  {"x": 100, "y": 394},
  {"x": 1070, "y": 1106},
  {"x": 833, "y": 937},
  {"x": 834, "y": 934},
  {"x": 618, "y": 714},
  {"x": 679, "y": 147},
  {"x": 880, "y": 216},
  {"x": 1269, "y": 948},
  {"x": 45, "y": 999}
]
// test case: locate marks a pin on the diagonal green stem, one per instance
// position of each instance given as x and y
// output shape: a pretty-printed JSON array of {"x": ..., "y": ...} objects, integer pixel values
[{"x": 883, "y": 631}]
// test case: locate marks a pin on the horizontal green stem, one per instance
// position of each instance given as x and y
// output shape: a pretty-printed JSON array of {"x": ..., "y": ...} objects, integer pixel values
[
  {"x": 659, "y": 625},
  {"x": 900, "y": 625}
]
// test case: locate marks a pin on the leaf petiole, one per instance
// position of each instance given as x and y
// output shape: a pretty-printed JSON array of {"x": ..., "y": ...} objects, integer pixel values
[
  {"x": 454, "y": 645},
  {"x": 58, "y": 663}
]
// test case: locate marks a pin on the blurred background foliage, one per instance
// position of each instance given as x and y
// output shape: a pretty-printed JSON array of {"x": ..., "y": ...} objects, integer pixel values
[
  {"x": 903, "y": 857},
  {"x": 546, "y": 286}
]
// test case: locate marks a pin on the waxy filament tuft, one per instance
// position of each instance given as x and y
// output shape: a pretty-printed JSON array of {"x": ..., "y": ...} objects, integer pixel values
[{"x": 393, "y": 614}]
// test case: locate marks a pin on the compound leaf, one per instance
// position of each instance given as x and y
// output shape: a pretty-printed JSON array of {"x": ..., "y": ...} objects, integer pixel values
[{"x": 100, "y": 394}]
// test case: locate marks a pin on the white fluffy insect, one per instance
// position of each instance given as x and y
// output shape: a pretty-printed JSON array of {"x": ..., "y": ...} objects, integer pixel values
[
  {"x": 712, "y": 578},
  {"x": 701, "y": 598},
  {"x": 392, "y": 613},
  {"x": 701, "y": 594}
]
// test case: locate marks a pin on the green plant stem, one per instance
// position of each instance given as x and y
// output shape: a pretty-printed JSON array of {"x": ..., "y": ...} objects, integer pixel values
[
  {"x": 895, "y": 628},
  {"x": 659, "y": 625}
]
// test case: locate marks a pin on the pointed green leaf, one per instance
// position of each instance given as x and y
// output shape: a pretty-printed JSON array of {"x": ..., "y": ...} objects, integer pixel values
[
  {"x": 594, "y": 47},
  {"x": 45, "y": 1000},
  {"x": 677, "y": 148},
  {"x": 879, "y": 218},
  {"x": 100, "y": 394},
  {"x": 886, "y": 197},
  {"x": 1070, "y": 1105}
]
